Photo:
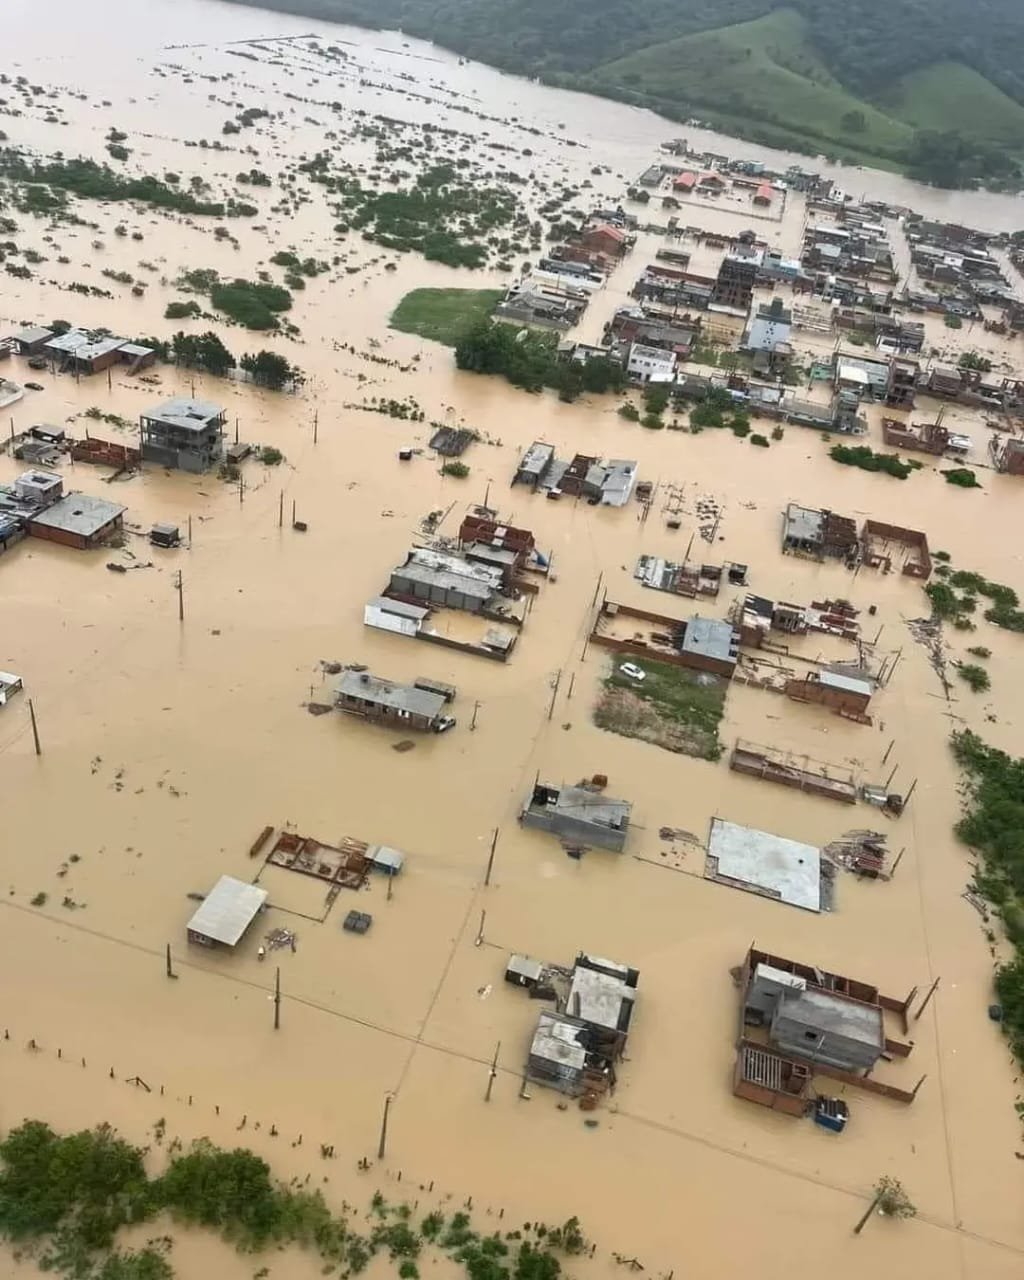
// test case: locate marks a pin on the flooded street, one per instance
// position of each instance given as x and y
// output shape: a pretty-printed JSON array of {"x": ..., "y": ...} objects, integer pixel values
[{"x": 167, "y": 746}]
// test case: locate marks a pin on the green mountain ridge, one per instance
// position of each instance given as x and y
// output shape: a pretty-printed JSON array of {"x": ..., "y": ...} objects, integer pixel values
[{"x": 933, "y": 87}]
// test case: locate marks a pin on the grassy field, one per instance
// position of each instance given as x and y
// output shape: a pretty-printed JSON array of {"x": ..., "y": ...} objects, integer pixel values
[
  {"x": 948, "y": 95},
  {"x": 671, "y": 707},
  {"x": 764, "y": 71},
  {"x": 442, "y": 314}
]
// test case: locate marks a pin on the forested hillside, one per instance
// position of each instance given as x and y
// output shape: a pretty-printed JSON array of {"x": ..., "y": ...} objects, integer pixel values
[{"x": 861, "y": 79}]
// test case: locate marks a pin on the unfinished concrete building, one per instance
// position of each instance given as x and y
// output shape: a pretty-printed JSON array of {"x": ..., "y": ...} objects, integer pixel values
[
  {"x": 579, "y": 816},
  {"x": 1007, "y": 453},
  {"x": 821, "y": 534},
  {"x": 882, "y": 543},
  {"x": 798, "y": 1021},
  {"x": 847, "y": 694},
  {"x": 183, "y": 433}
]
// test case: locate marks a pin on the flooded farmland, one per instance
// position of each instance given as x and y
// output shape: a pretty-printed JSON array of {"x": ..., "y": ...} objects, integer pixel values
[{"x": 168, "y": 744}]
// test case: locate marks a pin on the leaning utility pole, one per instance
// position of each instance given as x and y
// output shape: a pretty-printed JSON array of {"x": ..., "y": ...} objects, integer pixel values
[{"x": 492, "y": 1074}]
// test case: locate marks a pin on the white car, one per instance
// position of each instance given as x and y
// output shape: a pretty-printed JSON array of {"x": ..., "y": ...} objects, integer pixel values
[{"x": 634, "y": 672}]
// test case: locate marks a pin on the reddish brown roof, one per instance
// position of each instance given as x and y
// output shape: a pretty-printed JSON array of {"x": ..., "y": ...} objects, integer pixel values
[
  {"x": 606, "y": 229},
  {"x": 686, "y": 180}
]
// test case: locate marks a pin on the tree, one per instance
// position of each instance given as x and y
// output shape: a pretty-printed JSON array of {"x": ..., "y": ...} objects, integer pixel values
[
  {"x": 600, "y": 375},
  {"x": 268, "y": 369},
  {"x": 203, "y": 351},
  {"x": 890, "y": 1199},
  {"x": 854, "y": 122}
]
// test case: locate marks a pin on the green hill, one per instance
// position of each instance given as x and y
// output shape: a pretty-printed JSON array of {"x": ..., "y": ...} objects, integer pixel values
[
  {"x": 868, "y": 80},
  {"x": 765, "y": 71},
  {"x": 949, "y": 95}
]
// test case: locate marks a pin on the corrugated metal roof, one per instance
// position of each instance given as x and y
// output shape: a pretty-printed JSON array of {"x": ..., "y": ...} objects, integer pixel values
[
  {"x": 227, "y": 910},
  {"x": 386, "y": 693},
  {"x": 835, "y": 680}
]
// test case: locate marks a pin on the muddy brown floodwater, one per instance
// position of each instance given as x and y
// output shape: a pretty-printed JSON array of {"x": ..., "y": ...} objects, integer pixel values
[{"x": 168, "y": 746}]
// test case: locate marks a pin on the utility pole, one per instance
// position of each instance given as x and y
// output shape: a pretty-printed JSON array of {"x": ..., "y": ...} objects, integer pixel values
[
  {"x": 384, "y": 1127},
  {"x": 293, "y": 511},
  {"x": 170, "y": 970},
  {"x": 554, "y": 693},
  {"x": 492, "y": 1074},
  {"x": 241, "y": 490},
  {"x": 490, "y": 867},
  {"x": 277, "y": 998},
  {"x": 179, "y": 586},
  {"x": 190, "y": 529},
  {"x": 35, "y": 727},
  {"x": 280, "y": 511},
  {"x": 867, "y": 1213},
  {"x": 480, "y": 932},
  {"x": 472, "y": 723},
  {"x": 316, "y": 425},
  {"x": 924, "y": 1003}
]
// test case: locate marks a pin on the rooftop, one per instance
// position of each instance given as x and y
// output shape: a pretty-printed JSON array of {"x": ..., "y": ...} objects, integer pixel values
[
  {"x": 823, "y": 1011},
  {"x": 712, "y": 637},
  {"x": 803, "y": 523},
  {"x": 652, "y": 353},
  {"x": 84, "y": 345},
  {"x": 186, "y": 413},
  {"x": 385, "y": 693},
  {"x": 227, "y": 910},
  {"x": 557, "y": 1040},
  {"x": 588, "y": 806},
  {"x": 79, "y": 513},
  {"x": 33, "y": 334},
  {"x": 849, "y": 684},
  {"x": 781, "y": 868},
  {"x": 601, "y": 999},
  {"x": 537, "y": 457}
]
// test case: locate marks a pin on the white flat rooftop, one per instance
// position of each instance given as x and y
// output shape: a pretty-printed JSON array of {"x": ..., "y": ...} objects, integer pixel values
[{"x": 768, "y": 864}]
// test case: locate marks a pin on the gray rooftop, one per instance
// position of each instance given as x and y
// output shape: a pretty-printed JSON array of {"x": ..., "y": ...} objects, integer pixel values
[
  {"x": 601, "y": 999},
  {"x": 711, "y": 637},
  {"x": 823, "y": 1011},
  {"x": 537, "y": 457},
  {"x": 185, "y": 413},
  {"x": 84, "y": 345},
  {"x": 589, "y": 806},
  {"x": 804, "y": 524},
  {"x": 386, "y": 693},
  {"x": 79, "y": 513},
  {"x": 398, "y": 607},
  {"x": 557, "y": 1040},
  {"x": 32, "y": 334},
  {"x": 849, "y": 684},
  {"x": 783, "y": 869},
  {"x": 227, "y": 910}
]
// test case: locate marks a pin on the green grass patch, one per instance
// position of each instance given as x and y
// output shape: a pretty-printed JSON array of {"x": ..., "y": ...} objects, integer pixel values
[
  {"x": 443, "y": 314},
  {"x": 948, "y": 95},
  {"x": 672, "y": 707}
]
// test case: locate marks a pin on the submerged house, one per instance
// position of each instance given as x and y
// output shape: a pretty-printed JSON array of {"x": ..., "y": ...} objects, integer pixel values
[
  {"x": 576, "y": 1045},
  {"x": 449, "y": 581},
  {"x": 821, "y": 534},
  {"x": 408, "y": 706},
  {"x": 226, "y": 913},
  {"x": 78, "y": 520},
  {"x": 578, "y": 816}
]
